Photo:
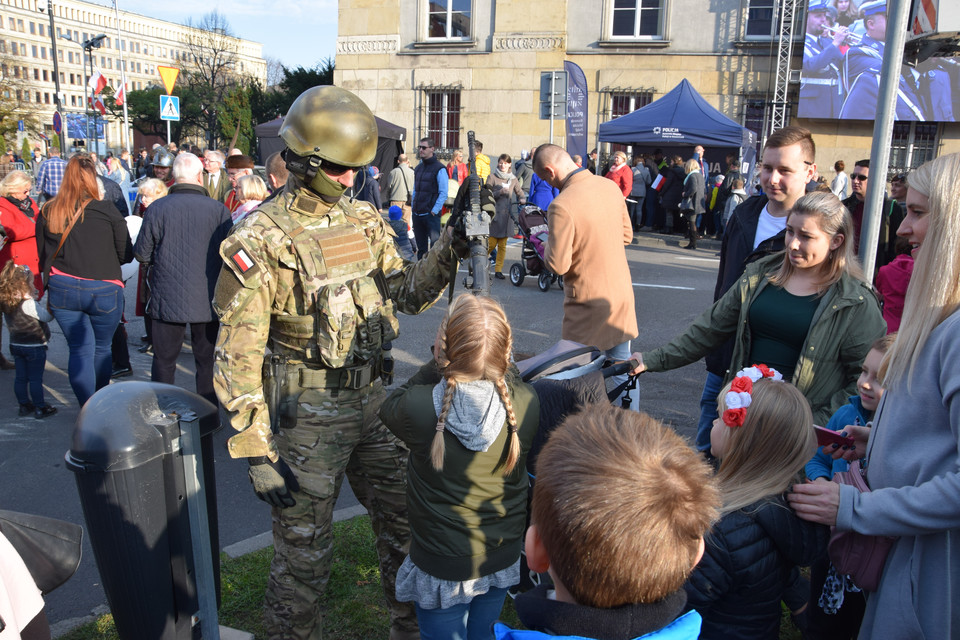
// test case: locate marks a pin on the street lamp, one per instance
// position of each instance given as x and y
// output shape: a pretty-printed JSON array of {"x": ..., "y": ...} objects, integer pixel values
[
  {"x": 88, "y": 47},
  {"x": 47, "y": 5}
]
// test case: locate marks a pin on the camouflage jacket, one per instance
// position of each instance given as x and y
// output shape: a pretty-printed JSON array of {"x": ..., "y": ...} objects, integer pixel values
[{"x": 337, "y": 259}]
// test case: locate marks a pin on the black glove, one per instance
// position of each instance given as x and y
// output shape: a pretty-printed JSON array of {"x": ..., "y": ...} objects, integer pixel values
[
  {"x": 386, "y": 367},
  {"x": 273, "y": 482}
]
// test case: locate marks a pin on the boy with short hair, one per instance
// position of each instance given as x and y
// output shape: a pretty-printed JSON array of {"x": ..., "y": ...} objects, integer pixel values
[{"x": 621, "y": 505}]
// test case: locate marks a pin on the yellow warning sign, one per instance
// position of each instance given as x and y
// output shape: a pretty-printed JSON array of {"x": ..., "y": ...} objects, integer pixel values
[{"x": 169, "y": 77}]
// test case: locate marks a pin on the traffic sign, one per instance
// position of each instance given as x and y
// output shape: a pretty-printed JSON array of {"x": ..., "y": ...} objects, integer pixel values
[
  {"x": 57, "y": 122},
  {"x": 169, "y": 107},
  {"x": 19, "y": 125},
  {"x": 169, "y": 77}
]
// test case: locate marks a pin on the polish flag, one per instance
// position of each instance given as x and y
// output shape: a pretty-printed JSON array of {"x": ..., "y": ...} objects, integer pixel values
[
  {"x": 97, "y": 103},
  {"x": 120, "y": 95},
  {"x": 97, "y": 82}
]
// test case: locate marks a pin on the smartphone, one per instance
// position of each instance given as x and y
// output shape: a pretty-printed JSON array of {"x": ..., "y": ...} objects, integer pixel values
[{"x": 826, "y": 437}]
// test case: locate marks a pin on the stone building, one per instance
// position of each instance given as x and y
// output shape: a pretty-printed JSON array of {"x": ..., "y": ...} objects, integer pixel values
[{"x": 443, "y": 67}]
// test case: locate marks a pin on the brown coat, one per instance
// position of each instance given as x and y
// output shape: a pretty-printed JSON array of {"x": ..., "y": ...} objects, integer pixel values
[{"x": 589, "y": 227}]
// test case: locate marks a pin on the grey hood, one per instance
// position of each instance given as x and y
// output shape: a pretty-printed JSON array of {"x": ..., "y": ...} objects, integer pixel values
[{"x": 476, "y": 413}]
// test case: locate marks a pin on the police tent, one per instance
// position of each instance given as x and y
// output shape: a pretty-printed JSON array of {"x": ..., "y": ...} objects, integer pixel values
[{"x": 678, "y": 121}]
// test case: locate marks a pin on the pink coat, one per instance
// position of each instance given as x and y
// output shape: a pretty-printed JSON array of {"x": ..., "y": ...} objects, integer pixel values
[
  {"x": 892, "y": 281},
  {"x": 589, "y": 227}
]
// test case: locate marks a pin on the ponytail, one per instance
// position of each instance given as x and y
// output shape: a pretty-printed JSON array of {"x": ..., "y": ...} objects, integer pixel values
[
  {"x": 437, "y": 448},
  {"x": 513, "y": 440}
]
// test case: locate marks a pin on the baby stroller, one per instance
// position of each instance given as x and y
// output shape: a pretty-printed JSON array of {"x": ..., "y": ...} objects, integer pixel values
[
  {"x": 532, "y": 222},
  {"x": 567, "y": 377}
]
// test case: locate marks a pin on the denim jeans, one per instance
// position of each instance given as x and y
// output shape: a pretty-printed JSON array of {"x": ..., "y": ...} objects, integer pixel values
[
  {"x": 426, "y": 229},
  {"x": 708, "y": 410},
  {"x": 468, "y": 621},
  {"x": 619, "y": 352},
  {"x": 28, "y": 383},
  {"x": 88, "y": 312}
]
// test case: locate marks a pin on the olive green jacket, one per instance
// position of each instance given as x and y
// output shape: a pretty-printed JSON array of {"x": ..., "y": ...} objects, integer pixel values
[
  {"x": 847, "y": 321},
  {"x": 467, "y": 520}
]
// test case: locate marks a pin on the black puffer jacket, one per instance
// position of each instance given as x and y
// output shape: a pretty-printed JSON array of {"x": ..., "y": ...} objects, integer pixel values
[
  {"x": 180, "y": 239},
  {"x": 739, "y": 583},
  {"x": 672, "y": 187}
]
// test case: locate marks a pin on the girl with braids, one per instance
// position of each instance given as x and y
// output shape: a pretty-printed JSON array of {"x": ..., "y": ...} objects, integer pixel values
[{"x": 468, "y": 421}]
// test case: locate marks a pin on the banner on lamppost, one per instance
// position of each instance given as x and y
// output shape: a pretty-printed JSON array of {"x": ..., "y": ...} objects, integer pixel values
[{"x": 576, "y": 109}]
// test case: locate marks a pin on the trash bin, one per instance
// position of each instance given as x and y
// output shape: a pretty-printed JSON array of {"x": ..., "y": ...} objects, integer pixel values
[{"x": 127, "y": 459}]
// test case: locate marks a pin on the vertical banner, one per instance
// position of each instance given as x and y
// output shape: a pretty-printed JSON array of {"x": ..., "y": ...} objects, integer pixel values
[{"x": 576, "y": 110}]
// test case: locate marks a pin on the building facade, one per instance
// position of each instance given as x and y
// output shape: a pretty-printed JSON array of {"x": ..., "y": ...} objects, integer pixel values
[
  {"x": 26, "y": 54},
  {"x": 443, "y": 67}
]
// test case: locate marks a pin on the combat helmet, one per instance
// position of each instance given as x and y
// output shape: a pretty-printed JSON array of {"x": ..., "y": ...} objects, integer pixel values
[
  {"x": 332, "y": 124},
  {"x": 165, "y": 160}
]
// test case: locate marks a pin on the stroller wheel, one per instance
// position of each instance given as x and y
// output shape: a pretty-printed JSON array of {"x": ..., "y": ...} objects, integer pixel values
[
  {"x": 560, "y": 282},
  {"x": 517, "y": 274},
  {"x": 544, "y": 281}
]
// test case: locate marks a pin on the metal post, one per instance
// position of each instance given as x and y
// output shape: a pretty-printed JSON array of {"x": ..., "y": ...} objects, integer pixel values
[
  {"x": 56, "y": 79},
  {"x": 898, "y": 15},
  {"x": 553, "y": 88},
  {"x": 123, "y": 84},
  {"x": 199, "y": 529},
  {"x": 86, "y": 95}
]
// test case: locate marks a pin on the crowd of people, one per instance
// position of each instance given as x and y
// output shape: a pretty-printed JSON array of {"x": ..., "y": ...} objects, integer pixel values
[{"x": 636, "y": 532}]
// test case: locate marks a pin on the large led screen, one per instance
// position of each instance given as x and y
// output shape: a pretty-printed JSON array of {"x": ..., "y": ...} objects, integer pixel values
[{"x": 842, "y": 55}]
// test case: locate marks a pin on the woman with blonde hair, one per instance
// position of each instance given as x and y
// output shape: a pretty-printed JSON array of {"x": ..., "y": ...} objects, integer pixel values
[
  {"x": 469, "y": 422},
  {"x": 83, "y": 240},
  {"x": 807, "y": 311},
  {"x": 763, "y": 439},
  {"x": 911, "y": 452},
  {"x": 18, "y": 218},
  {"x": 251, "y": 191},
  {"x": 691, "y": 202},
  {"x": 121, "y": 176}
]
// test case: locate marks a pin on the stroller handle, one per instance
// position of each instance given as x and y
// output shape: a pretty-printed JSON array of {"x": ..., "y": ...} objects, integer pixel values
[{"x": 620, "y": 368}]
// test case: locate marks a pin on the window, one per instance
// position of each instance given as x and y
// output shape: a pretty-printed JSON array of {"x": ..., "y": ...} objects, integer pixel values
[
  {"x": 12, "y": 24},
  {"x": 43, "y": 52},
  {"x": 624, "y": 102},
  {"x": 46, "y": 98},
  {"x": 73, "y": 101},
  {"x": 13, "y": 48},
  {"x": 912, "y": 144},
  {"x": 37, "y": 96},
  {"x": 760, "y": 18},
  {"x": 443, "y": 117},
  {"x": 20, "y": 26},
  {"x": 33, "y": 28},
  {"x": 42, "y": 30},
  {"x": 36, "y": 74},
  {"x": 637, "y": 19},
  {"x": 3, "y": 46},
  {"x": 36, "y": 51},
  {"x": 449, "y": 19}
]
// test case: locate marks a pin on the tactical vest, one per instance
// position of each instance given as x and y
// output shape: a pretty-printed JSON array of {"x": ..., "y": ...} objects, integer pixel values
[{"x": 349, "y": 311}]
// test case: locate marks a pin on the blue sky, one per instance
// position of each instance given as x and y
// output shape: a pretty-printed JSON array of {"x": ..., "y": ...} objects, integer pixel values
[{"x": 295, "y": 32}]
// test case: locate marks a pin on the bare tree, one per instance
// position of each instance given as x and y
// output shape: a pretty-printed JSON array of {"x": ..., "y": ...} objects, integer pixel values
[
  {"x": 274, "y": 72},
  {"x": 210, "y": 68}
]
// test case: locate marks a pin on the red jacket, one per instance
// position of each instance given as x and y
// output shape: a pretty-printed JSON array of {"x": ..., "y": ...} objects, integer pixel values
[
  {"x": 623, "y": 177},
  {"x": 892, "y": 281},
  {"x": 462, "y": 171},
  {"x": 21, "y": 246}
]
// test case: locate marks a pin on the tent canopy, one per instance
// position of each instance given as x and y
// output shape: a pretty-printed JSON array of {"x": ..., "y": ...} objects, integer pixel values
[{"x": 681, "y": 117}]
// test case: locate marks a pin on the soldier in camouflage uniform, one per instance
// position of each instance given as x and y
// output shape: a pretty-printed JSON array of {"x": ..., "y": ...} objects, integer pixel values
[{"x": 317, "y": 280}]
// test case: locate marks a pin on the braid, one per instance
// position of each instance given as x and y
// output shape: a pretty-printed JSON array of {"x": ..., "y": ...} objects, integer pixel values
[
  {"x": 513, "y": 442},
  {"x": 437, "y": 449}
]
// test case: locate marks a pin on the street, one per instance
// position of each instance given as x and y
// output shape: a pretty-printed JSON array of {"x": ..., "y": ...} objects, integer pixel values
[{"x": 671, "y": 285}]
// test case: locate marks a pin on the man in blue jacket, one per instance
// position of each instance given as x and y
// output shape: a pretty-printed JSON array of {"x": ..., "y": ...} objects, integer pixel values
[
  {"x": 429, "y": 194},
  {"x": 180, "y": 240}
]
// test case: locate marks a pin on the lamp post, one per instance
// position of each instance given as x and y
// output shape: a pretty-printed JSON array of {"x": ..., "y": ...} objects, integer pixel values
[
  {"x": 47, "y": 5},
  {"x": 88, "y": 47}
]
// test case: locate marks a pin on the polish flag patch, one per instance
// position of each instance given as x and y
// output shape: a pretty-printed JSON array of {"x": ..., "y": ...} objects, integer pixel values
[{"x": 242, "y": 260}]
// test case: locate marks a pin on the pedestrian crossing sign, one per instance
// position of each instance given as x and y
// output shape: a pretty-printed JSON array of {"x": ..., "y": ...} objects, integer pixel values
[{"x": 170, "y": 107}]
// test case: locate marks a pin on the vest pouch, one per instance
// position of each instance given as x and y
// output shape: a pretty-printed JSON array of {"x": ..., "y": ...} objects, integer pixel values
[
  {"x": 372, "y": 313},
  {"x": 336, "y": 325}
]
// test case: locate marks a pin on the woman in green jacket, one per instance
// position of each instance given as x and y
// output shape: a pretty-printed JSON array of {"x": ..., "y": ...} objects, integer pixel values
[
  {"x": 808, "y": 311},
  {"x": 469, "y": 422}
]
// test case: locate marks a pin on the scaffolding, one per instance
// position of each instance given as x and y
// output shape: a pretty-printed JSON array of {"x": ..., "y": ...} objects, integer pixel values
[{"x": 780, "y": 111}]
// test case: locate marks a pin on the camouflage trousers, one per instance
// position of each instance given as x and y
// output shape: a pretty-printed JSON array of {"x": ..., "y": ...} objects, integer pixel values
[{"x": 335, "y": 431}]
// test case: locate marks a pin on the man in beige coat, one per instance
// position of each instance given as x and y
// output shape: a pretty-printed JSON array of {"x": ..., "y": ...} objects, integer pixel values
[{"x": 589, "y": 227}]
